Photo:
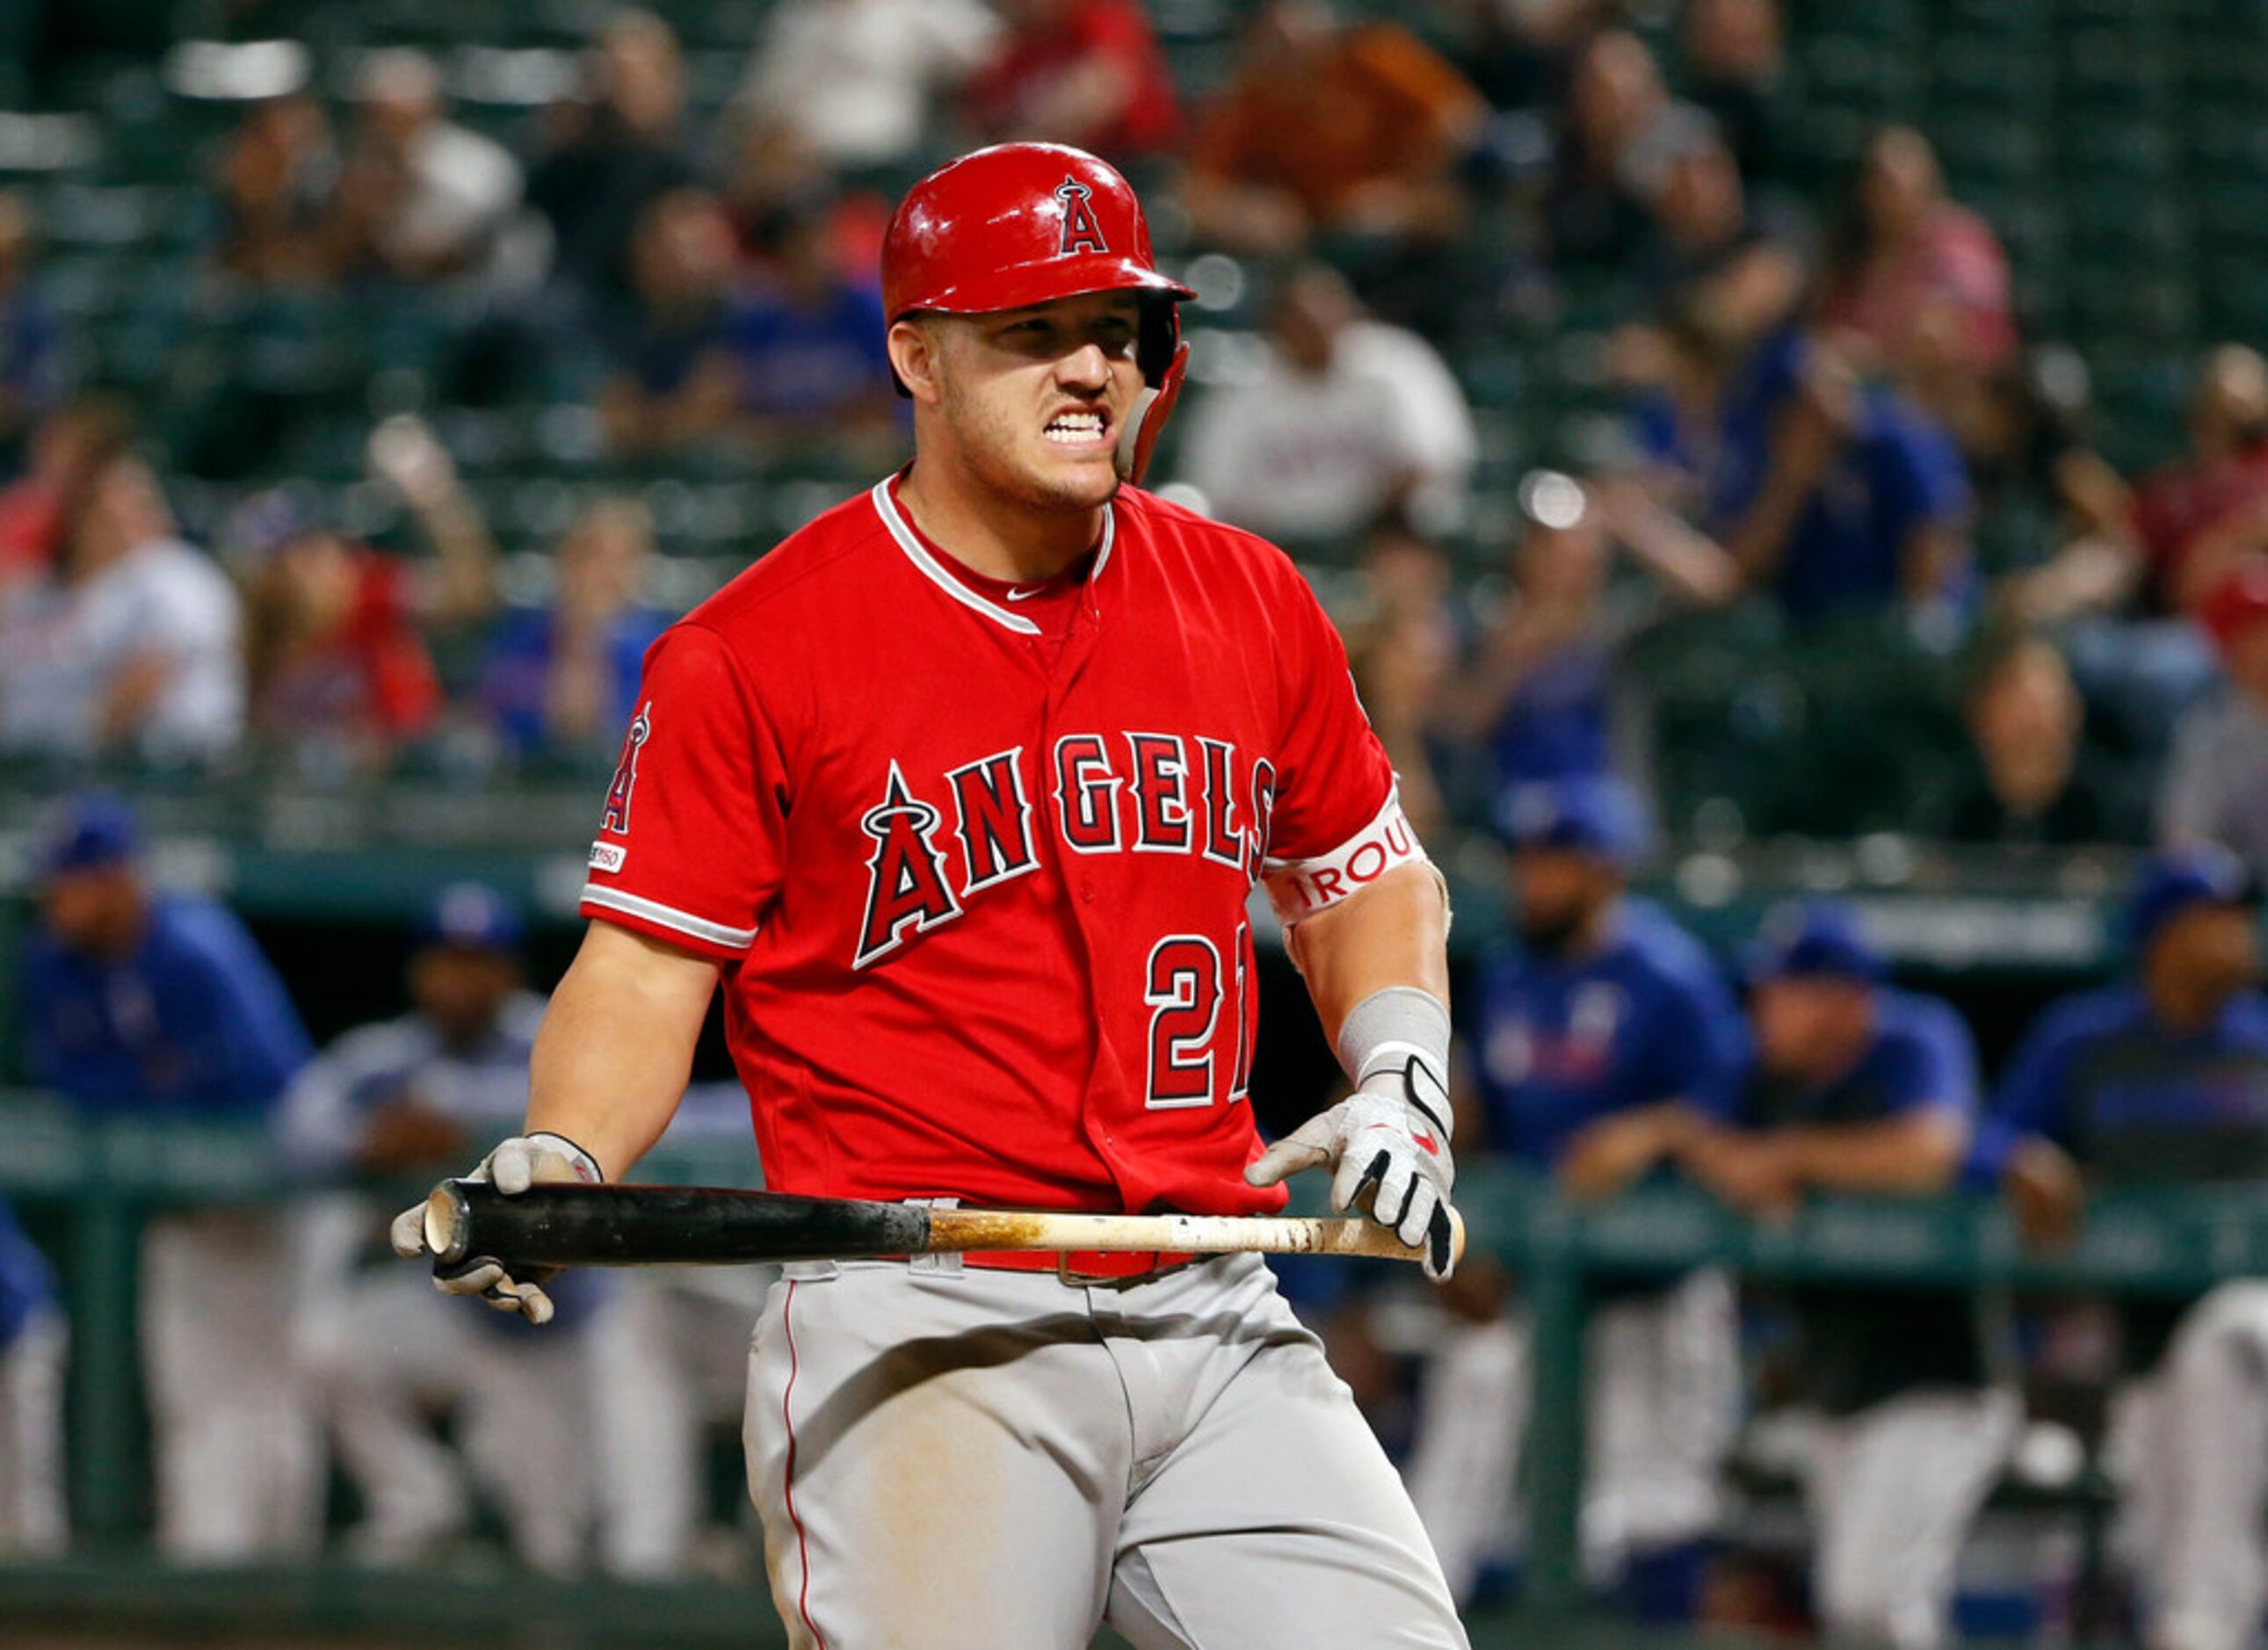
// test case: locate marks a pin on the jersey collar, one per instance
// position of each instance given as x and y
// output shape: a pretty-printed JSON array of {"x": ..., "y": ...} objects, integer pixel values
[{"x": 917, "y": 553}]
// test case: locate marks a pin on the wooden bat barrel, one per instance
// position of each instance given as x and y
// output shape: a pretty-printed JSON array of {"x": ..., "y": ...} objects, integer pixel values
[{"x": 661, "y": 1226}]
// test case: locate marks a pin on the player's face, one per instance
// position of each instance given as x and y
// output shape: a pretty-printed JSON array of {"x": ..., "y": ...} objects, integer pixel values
[
  {"x": 1559, "y": 892},
  {"x": 1810, "y": 1029},
  {"x": 2211, "y": 952},
  {"x": 462, "y": 988},
  {"x": 1033, "y": 400},
  {"x": 96, "y": 913}
]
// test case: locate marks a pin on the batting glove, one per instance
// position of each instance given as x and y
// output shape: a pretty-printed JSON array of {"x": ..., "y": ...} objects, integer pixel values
[
  {"x": 1390, "y": 1139},
  {"x": 524, "y": 1160}
]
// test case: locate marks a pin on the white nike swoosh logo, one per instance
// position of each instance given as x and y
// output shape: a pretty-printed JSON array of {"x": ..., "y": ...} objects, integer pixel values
[{"x": 1023, "y": 595}]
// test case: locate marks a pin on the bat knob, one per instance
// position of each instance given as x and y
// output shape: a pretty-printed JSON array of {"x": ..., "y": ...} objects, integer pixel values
[
  {"x": 445, "y": 1212},
  {"x": 1457, "y": 1237}
]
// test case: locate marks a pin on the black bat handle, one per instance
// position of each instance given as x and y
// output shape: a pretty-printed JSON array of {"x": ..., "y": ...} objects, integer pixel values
[{"x": 659, "y": 1226}]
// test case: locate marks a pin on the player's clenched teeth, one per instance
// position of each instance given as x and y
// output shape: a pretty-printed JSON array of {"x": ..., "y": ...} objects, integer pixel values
[{"x": 1076, "y": 429}]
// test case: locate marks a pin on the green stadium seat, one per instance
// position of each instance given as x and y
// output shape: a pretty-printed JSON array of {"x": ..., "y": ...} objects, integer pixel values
[
  {"x": 2091, "y": 150},
  {"x": 1851, "y": 72},
  {"x": 2104, "y": 69},
  {"x": 1989, "y": 149},
  {"x": 1980, "y": 74}
]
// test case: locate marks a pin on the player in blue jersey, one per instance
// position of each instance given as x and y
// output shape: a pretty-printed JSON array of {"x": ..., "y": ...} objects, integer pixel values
[
  {"x": 144, "y": 1004},
  {"x": 1601, "y": 1042},
  {"x": 2162, "y": 1079},
  {"x": 402, "y": 1097},
  {"x": 1859, "y": 1087},
  {"x": 33, "y": 1336}
]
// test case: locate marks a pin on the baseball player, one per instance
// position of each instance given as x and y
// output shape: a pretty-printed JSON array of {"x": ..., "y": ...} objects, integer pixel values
[
  {"x": 1598, "y": 1044},
  {"x": 1859, "y": 1087},
  {"x": 401, "y": 1097},
  {"x": 959, "y": 793},
  {"x": 33, "y": 1338},
  {"x": 160, "y": 1006},
  {"x": 2162, "y": 1079}
]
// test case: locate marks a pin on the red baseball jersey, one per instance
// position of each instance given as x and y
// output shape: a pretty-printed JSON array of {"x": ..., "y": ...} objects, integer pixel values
[{"x": 980, "y": 884}]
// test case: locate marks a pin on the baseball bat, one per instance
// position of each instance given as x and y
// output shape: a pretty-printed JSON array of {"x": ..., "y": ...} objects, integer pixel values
[{"x": 681, "y": 1225}]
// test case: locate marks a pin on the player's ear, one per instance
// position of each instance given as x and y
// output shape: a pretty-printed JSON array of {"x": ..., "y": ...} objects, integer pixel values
[{"x": 914, "y": 343}]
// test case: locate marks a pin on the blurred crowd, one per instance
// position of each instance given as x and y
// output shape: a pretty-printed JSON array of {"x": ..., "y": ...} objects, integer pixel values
[{"x": 1821, "y": 400}]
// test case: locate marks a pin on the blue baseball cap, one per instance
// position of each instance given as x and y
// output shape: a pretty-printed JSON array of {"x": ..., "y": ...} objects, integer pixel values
[
  {"x": 1600, "y": 816},
  {"x": 93, "y": 831},
  {"x": 471, "y": 917},
  {"x": 1818, "y": 939},
  {"x": 2172, "y": 882}
]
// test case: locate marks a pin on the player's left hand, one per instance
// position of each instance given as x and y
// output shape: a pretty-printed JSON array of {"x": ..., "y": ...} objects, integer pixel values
[
  {"x": 1382, "y": 1139},
  {"x": 524, "y": 1160}
]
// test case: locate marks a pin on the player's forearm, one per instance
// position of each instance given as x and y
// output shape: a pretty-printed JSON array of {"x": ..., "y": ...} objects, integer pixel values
[
  {"x": 616, "y": 1045},
  {"x": 1394, "y": 932},
  {"x": 1907, "y": 1156}
]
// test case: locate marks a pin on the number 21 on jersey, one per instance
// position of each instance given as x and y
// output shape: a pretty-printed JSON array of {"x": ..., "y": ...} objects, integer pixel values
[{"x": 1184, "y": 989}]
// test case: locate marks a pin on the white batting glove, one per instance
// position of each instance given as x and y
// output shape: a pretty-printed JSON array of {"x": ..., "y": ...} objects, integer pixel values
[
  {"x": 1390, "y": 1137},
  {"x": 524, "y": 1160}
]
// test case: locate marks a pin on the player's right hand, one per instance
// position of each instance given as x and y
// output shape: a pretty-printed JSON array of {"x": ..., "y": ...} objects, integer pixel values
[
  {"x": 1380, "y": 1140},
  {"x": 524, "y": 1160}
]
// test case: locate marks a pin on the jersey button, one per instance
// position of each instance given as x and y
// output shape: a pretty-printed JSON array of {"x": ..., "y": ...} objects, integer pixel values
[{"x": 1087, "y": 893}]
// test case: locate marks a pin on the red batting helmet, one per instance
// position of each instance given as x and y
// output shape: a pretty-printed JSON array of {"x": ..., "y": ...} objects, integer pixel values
[{"x": 1021, "y": 223}]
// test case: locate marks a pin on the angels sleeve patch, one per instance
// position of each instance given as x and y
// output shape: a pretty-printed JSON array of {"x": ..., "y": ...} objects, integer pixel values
[{"x": 618, "y": 795}]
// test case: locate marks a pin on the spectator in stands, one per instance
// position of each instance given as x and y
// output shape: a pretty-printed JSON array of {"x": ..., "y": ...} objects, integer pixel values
[
  {"x": 279, "y": 180},
  {"x": 1859, "y": 1087},
  {"x": 2026, "y": 437},
  {"x": 1353, "y": 133},
  {"x": 80, "y": 433},
  {"x": 1402, "y": 647},
  {"x": 1518, "y": 55},
  {"x": 2198, "y": 518},
  {"x": 457, "y": 585},
  {"x": 403, "y": 1097},
  {"x": 1346, "y": 419},
  {"x": 1737, "y": 268},
  {"x": 2216, "y": 783},
  {"x": 563, "y": 681},
  {"x": 1596, "y": 1047},
  {"x": 1735, "y": 65},
  {"x": 35, "y": 366},
  {"x": 1084, "y": 72},
  {"x": 807, "y": 342},
  {"x": 130, "y": 645},
  {"x": 2161, "y": 1080},
  {"x": 1836, "y": 496},
  {"x": 858, "y": 81},
  {"x": 612, "y": 152},
  {"x": 1538, "y": 690},
  {"x": 420, "y": 197},
  {"x": 774, "y": 174},
  {"x": 335, "y": 659},
  {"x": 675, "y": 379},
  {"x": 33, "y": 1337},
  {"x": 1618, "y": 130},
  {"x": 1916, "y": 281},
  {"x": 2026, "y": 784},
  {"x": 141, "y": 1006}
]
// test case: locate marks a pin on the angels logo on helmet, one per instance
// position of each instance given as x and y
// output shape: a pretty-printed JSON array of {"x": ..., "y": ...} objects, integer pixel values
[{"x": 1080, "y": 232}]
